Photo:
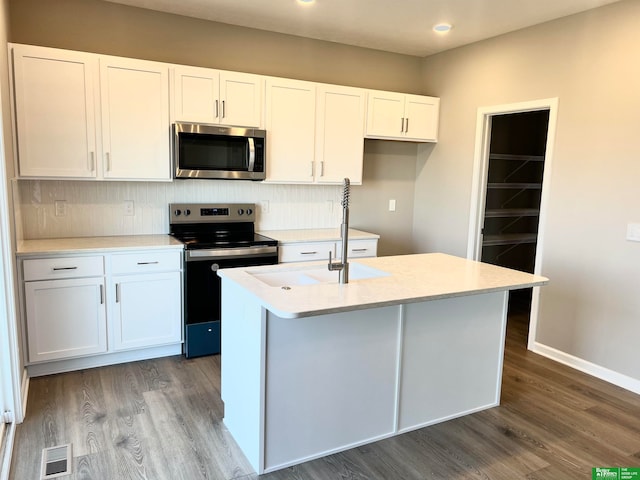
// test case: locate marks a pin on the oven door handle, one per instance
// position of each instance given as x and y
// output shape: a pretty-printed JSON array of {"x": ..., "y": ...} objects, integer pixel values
[{"x": 204, "y": 254}]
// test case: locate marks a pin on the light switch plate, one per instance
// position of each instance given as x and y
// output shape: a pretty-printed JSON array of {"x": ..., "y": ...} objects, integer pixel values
[
  {"x": 392, "y": 205},
  {"x": 633, "y": 232}
]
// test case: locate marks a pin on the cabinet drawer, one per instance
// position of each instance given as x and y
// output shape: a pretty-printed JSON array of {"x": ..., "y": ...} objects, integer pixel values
[
  {"x": 363, "y": 248},
  {"x": 302, "y": 252},
  {"x": 160, "y": 261},
  {"x": 63, "y": 267}
]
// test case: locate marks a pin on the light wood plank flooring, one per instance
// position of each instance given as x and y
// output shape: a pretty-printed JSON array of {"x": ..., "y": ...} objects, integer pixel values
[{"x": 162, "y": 419}]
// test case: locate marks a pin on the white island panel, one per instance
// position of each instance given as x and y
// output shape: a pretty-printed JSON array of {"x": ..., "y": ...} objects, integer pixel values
[
  {"x": 331, "y": 383},
  {"x": 451, "y": 358}
]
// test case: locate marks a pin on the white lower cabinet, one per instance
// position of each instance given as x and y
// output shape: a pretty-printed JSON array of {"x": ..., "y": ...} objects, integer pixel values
[
  {"x": 76, "y": 307},
  {"x": 65, "y": 318},
  {"x": 309, "y": 251},
  {"x": 145, "y": 309}
]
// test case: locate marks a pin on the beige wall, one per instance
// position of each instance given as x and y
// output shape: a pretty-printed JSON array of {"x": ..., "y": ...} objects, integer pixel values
[
  {"x": 102, "y": 27},
  {"x": 590, "y": 61},
  {"x": 389, "y": 173}
]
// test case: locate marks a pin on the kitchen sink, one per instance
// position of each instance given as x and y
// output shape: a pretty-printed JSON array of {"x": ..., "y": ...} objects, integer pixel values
[{"x": 314, "y": 274}]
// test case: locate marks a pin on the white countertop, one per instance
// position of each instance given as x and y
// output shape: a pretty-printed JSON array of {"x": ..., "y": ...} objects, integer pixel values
[
  {"x": 315, "y": 235},
  {"x": 47, "y": 246},
  {"x": 412, "y": 278}
]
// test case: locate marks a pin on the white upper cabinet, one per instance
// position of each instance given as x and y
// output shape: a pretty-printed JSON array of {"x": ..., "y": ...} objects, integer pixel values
[
  {"x": 203, "y": 95},
  {"x": 135, "y": 119},
  {"x": 81, "y": 115},
  {"x": 339, "y": 134},
  {"x": 315, "y": 132},
  {"x": 400, "y": 116},
  {"x": 290, "y": 124},
  {"x": 55, "y": 112}
]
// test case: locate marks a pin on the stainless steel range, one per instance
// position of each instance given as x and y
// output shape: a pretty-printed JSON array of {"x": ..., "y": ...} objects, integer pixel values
[{"x": 215, "y": 236}]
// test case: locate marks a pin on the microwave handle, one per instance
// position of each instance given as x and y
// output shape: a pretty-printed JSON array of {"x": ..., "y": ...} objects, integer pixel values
[{"x": 252, "y": 154}]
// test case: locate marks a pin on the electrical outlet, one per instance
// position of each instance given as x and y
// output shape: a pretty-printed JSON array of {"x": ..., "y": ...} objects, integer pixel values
[
  {"x": 264, "y": 206},
  {"x": 392, "y": 205},
  {"x": 129, "y": 208},
  {"x": 60, "y": 208}
]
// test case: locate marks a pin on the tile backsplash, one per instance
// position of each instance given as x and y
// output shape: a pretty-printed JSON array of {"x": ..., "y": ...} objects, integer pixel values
[{"x": 98, "y": 208}]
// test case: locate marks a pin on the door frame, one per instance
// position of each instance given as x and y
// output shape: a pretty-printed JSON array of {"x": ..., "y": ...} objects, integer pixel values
[{"x": 479, "y": 186}]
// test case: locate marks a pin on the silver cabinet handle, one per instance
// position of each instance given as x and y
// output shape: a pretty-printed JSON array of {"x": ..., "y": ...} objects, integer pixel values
[
  {"x": 101, "y": 294},
  {"x": 311, "y": 174},
  {"x": 223, "y": 112},
  {"x": 217, "y": 109},
  {"x": 56, "y": 269},
  {"x": 117, "y": 293},
  {"x": 359, "y": 249},
  {"x": 92, "y": 161},
  {"x": 322, "y": 168},
  {"x": 406, "y": 126},
  {"x": 148, "y": 263},
  {"x": 402, "y": 125},
  {"x": 108, "y": 157},
  {"x": 308, "y": 253}
]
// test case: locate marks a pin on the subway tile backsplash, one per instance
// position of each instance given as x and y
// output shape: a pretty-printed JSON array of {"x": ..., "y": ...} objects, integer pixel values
[{"x": 98, "y": 208}]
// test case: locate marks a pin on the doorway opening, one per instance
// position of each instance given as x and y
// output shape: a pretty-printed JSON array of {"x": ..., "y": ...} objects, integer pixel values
[
  {"x": 513, "y": 148},
  {"x": 517, "y": 150}
]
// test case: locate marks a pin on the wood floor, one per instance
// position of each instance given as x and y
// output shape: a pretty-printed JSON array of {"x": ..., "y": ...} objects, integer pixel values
[{"x": 162, "y": 419}]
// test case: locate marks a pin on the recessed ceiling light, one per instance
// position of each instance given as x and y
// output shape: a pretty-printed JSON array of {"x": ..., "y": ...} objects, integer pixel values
[
  {"x": 306, "y": 2},
  {"x": 442, "y": 27}
]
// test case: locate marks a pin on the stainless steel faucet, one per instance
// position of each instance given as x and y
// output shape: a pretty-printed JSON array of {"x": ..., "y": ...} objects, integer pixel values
[{"x": 343, "y": 266}]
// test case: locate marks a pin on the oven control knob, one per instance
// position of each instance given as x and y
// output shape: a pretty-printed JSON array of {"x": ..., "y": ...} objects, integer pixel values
[
  {"x": 177, "y": 212},
  {"x": 214, "y": 267},
  {"x": 187, "y": 212},
  {"x": 240, "y": 211},
  {"x": 249, "y": 211}
]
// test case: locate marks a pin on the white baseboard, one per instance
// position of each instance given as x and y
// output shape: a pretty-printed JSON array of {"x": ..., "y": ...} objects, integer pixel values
[
  {"x": 5, "y": 454},
  {"x": 611, "y": 376}
]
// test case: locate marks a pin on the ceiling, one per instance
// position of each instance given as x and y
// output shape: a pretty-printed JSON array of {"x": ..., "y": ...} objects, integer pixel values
[{"x": 399, "y": 26}]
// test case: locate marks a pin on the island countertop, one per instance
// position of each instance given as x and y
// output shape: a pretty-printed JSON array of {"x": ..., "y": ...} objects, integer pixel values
[{"x": 408, "y": 279}]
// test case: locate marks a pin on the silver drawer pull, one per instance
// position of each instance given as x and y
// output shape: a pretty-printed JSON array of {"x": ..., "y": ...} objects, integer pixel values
[
  {"x": 101, "y": 294},
  {"x": 148, "y": 263},
  {"x": 308, "y": 253},
  {"x": 359, "y": 249},
  {"x": 55, "y": 269}
]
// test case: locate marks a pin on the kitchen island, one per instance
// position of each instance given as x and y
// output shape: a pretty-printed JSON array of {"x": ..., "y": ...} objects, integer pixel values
[{"x": 312, "y": 367}]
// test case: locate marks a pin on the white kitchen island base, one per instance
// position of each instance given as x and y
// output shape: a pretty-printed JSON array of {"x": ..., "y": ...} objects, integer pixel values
[
  {"x": 332, "y": 382},
  {"x": 320, "y": 382}
]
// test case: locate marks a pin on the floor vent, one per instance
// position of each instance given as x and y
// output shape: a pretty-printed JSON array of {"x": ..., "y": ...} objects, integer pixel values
[{"x": 56, "y": 461}]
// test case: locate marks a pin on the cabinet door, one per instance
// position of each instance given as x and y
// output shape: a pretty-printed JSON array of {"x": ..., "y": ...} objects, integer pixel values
[
  {"x": 146, "y": 310},
  {"x": 196, "y": 95},
  {"x": 135, "y": 119},
  {"x": 65, "y": 318},
  {"x": 339, "y": 134},
  {"x": 385, "y": 115},
  {"x": 55, "y": 112},
  {"x": 241, "y": 99},
  {"x": 290, "y": 123},
  {"x": 421, "y": 117}
]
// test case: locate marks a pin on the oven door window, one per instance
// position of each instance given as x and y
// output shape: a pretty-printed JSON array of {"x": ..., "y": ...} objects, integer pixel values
[{"x": 199, "y": 151}]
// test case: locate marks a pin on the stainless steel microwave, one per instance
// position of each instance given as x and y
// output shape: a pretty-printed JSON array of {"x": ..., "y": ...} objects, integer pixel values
[{"x": 214, "y": 151}]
